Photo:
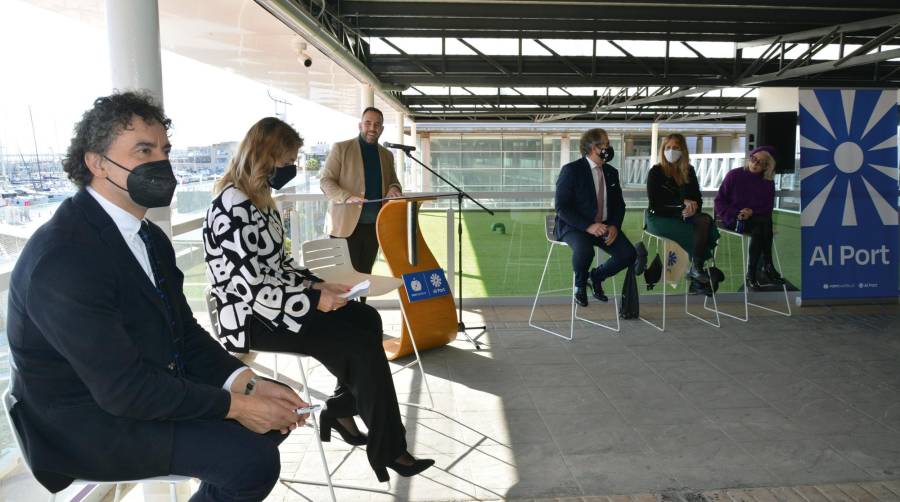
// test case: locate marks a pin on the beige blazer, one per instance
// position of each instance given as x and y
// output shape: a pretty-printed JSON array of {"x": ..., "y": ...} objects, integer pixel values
[{"x": 344, "y": 175}]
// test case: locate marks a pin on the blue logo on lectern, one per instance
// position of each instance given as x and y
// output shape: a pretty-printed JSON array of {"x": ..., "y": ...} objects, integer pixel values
[{"x": 426, "y": 284}]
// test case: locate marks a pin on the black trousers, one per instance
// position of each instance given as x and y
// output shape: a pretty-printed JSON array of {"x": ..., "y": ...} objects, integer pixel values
[
  {"x": 233, "y": 463},
  {"x": 363, "y": 247},
  {"x": 363, "y": 244},
  {"x": 347, "y": 341},
  {"x": 621, "y": 254},
  {"x": 761, "y": 235}
]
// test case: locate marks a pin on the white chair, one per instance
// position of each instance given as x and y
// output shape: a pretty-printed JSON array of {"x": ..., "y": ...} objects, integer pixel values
[
  {"x": 329, "y": 259},
  {"x": 9, "y": 401},
  {"x": 745, "y": 255},
  {"x": 662, "y": 247},
  {"x": 549, "y": 226}
]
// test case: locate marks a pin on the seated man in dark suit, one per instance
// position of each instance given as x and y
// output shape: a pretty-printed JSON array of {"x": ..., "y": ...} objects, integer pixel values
[
  {"x": 113, "y": 379},
  {"x": 589, "y": 212}
]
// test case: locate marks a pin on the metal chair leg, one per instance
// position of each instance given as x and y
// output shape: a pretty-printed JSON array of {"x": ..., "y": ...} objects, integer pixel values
[
  {"x": 787, "y": 300},
  {"x": 595, "y": 323},
  {"x": 417, "y": 361},
  {"x": 538, "y": 294},
  {"x": 718, "y": 322},
  {"x": 744, "y": 259},
  {"x": 662, "y": 283}
]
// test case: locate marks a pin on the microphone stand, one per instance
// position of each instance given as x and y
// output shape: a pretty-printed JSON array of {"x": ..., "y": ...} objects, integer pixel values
[{"x": 460, "y": 195}]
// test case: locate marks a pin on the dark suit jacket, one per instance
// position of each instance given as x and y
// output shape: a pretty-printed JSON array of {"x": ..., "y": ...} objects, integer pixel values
[
  {"x": 96, "y": 396},
  {"x": 576, "y": 200}
]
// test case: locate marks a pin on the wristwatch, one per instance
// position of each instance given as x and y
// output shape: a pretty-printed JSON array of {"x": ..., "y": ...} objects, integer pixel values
[{"x": 250, "y": 384}]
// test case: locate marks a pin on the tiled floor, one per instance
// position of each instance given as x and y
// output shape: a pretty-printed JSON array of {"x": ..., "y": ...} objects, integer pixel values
[
  {"x": 812, "y": 399},
  {"x": 811, "y": 403}
]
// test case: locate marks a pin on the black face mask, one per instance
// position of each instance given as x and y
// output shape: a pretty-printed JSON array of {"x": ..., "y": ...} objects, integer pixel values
[
  {"x": 151, "y": 184},
  {"x": 607, "y": 153},
  {"x": 281, "y": 175}
]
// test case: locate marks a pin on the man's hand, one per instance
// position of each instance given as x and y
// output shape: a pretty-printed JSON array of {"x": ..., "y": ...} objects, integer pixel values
[
  {"x": 596, "y": 229},
  {"x": 393, "y": 192},
  {"x": 329, "y": 301},
  {"x": 355, "y": 199},
  {"x": 262, "y": 414},
  {"x": 283, "y": 393},
  {"x": 611, "y": 233},
  {"x": 745, "y": 214}
]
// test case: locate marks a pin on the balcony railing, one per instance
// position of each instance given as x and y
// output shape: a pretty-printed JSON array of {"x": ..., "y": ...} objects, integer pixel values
[{"x": 711, "y": 169}]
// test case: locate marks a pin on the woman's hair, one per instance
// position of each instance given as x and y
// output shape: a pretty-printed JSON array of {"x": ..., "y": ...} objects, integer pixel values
[
  {"x": 769, "y": 173},
  {"x": 679, "y": 170},
  {"x": 590, "y": 138},
  {"x": 103, "y": 123},
  {"x": 249, "y": 169}
]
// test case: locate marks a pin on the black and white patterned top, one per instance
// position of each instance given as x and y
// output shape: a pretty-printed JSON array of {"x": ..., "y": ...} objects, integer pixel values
[{"x": 250, "y": 273}]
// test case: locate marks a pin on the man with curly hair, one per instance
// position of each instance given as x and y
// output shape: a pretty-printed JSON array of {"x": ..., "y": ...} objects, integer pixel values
[{"x": 112, "y": 376}]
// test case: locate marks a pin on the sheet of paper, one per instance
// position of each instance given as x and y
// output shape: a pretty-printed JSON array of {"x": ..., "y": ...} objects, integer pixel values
[{"x": 361, "y": 289}]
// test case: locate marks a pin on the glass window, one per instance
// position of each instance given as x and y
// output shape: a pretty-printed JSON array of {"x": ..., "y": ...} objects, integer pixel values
[
  {"x": 481, "y": 144},
  {"x": 513, "y": 160},
  {"x": 445, "y": 160},
  {"x": 445, "y": 143},
  {"x": 482, "y": 160},
  {"x": 521, "y": 144},
  {"x": 516, "y": 180},
  {"x": 551, "y": 143}
]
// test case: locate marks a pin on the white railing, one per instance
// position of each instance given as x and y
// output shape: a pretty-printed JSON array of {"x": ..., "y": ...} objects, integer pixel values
[{"x": 711, "y": 169}]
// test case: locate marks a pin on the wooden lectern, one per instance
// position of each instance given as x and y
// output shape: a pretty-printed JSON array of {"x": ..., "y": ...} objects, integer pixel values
[{"x": 433, "y": 321}]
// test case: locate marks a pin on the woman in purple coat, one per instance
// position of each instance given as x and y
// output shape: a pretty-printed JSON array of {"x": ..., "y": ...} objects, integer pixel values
[{"x": 744, "y": 204}]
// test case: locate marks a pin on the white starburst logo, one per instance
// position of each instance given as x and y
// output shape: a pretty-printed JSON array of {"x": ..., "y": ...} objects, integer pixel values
[
  {"x": 848, "y": 157},
  {"x": 436, "y": 280}
]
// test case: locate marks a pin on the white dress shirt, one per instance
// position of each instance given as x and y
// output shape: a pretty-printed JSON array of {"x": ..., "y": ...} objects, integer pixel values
[
  {"x": 129, "y": 226},
  {"x": 597, "y": 185}
]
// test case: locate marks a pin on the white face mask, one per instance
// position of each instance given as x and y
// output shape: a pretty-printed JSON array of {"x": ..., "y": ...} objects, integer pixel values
[{"x": 672, "y": 155}]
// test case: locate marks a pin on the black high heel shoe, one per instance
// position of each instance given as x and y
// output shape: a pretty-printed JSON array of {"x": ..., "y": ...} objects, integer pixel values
[
  {"x": 328, "y": 422},
  {"x": 406, "y": 471}
]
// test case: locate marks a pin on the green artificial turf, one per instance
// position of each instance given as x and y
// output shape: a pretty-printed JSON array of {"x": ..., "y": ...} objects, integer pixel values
[{"x": 504, "y": 254}]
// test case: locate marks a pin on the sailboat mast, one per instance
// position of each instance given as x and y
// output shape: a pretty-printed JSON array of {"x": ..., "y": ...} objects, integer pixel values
[{"x": 37, "y": 156}]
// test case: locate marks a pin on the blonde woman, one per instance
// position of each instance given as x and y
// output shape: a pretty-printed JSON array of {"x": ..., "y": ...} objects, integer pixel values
[
  {"x": 744, "y": 204},
  {"x": 675, "y": 204},
  {"x": 266, "y": 302}
]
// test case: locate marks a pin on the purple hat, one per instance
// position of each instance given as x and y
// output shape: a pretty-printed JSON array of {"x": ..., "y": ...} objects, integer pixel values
[{"x": 764, "y": 148}]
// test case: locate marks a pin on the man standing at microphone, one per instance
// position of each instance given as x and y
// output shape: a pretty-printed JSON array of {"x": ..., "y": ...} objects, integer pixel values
[{"x": 356, "y": 171}]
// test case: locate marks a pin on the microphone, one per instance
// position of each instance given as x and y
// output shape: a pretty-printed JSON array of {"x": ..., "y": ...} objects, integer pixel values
[{"x": 398, "y": 146}]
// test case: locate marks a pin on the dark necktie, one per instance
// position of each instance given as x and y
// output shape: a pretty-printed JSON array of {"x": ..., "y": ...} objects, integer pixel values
[
  {"x": 600, "y": 199},
  {"x": 160, "y": 284}
]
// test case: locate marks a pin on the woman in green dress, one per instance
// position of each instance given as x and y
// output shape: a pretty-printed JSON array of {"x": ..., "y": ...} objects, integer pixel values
[{"x": 675, "y": 204}]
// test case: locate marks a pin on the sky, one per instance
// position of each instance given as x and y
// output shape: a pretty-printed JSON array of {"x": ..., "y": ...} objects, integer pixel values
[{"x": 56, "y": 66}]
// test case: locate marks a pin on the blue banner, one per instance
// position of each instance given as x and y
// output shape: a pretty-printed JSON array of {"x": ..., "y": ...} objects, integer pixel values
[
  {"x": 848, "y": 192},
  {"x": 425, "y": 284}
]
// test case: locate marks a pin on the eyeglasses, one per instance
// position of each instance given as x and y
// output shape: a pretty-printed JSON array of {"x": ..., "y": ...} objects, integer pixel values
[{"x": 758, "y": 160}]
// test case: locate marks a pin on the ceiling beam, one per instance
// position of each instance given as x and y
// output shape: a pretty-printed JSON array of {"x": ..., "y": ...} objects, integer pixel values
[
  {"x": 818, "y": 68},
  {"x": 491, "y": 61},
  {"x": 800, "y": 36},
  {"x": 418, "y": 62},
  {"x": 795, "y": 12},
  {"x": 563, "y": 59}
]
